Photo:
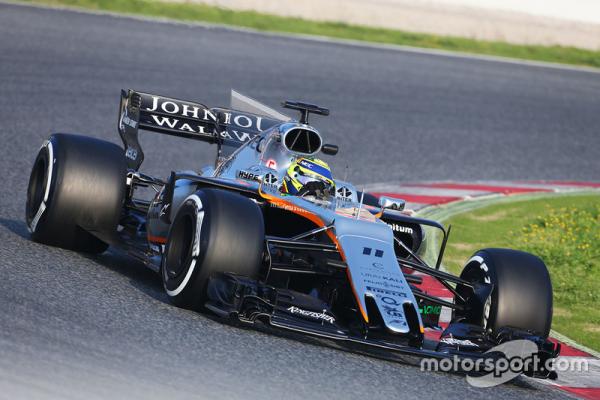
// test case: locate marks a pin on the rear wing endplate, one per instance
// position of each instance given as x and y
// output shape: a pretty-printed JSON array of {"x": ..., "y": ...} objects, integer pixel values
[{"x": 164, "y": 115}]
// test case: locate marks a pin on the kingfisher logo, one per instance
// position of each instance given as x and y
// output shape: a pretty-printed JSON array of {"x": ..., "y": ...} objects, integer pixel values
[{"x": 323, "y": 316}]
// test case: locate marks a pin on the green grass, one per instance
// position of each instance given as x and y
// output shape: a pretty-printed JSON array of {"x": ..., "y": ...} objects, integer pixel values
[
  {"x": 271, "y": 23},
  {"x": 564, "y": 232}
]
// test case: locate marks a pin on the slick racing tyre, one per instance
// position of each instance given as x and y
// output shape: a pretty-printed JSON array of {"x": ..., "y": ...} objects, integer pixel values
[
  {"x": 76, "y": 186},
  {"x": 213, "y": 231},
  {"x": 522, "y": 292}
]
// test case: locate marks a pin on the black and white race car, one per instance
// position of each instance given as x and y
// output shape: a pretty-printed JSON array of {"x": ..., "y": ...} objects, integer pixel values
[{"x": 328, "y": 261}]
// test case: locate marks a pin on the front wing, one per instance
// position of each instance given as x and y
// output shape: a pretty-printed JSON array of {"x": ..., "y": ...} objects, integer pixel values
[{"x": 292, "y": 314}]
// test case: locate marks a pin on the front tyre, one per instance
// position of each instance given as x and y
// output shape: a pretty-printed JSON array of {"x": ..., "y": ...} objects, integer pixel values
[
  {"x": 213, "y": 231},
  {"x": 522, "y": 292}
]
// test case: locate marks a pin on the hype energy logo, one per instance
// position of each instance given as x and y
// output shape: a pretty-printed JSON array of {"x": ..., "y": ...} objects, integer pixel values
[{"x": 505, "y": 362}]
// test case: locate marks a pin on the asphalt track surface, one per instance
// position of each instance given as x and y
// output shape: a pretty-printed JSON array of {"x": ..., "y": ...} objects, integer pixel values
[{"x": 73, "y": 326}]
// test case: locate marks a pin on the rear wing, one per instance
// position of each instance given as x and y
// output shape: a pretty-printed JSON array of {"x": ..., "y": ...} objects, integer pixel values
[{"x": 222, "y": 126}]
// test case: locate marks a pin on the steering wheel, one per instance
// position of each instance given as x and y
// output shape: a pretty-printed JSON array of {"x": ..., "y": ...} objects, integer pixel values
[{"x": 315, "y": 188}]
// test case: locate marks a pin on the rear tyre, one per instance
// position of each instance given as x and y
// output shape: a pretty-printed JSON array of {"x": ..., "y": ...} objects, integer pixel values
[
  {"x": 213, "y": 231},
  {"x": 76, "y": 186},
  {"x": 522, "y": 293}
]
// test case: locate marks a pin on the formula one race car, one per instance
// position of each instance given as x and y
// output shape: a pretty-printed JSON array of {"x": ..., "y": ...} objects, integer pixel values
[{"x": 267, "y": 235}]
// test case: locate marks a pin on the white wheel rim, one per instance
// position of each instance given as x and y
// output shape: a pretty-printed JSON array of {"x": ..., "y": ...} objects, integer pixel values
[
  {"x": 195, "y": 249},
  {"x": 36, "y": 219}
]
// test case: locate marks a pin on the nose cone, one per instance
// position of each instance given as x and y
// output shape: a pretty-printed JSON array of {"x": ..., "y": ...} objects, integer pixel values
[{"x": 374, "y": 271}]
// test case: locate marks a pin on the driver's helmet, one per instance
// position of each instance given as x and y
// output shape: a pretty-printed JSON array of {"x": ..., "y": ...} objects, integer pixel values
[{"x": 304, "y": 170}]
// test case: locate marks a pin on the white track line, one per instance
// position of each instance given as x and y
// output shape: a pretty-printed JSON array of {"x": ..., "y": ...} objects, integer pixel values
[
  {"x": 568, "y": 341},
  {"x": 577, "y": 379}
]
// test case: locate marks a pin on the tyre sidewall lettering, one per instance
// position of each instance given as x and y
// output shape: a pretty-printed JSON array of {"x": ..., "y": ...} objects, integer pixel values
[
  {"x": 191, "y": 205},
  {"x": 479, "y": 262},
  {"x": 48, "y": 177}
]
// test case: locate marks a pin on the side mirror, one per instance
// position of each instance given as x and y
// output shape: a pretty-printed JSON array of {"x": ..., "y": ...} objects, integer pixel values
[
  {"x": 330, "y": 149},
  {"x": 391, "y": 203}
]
